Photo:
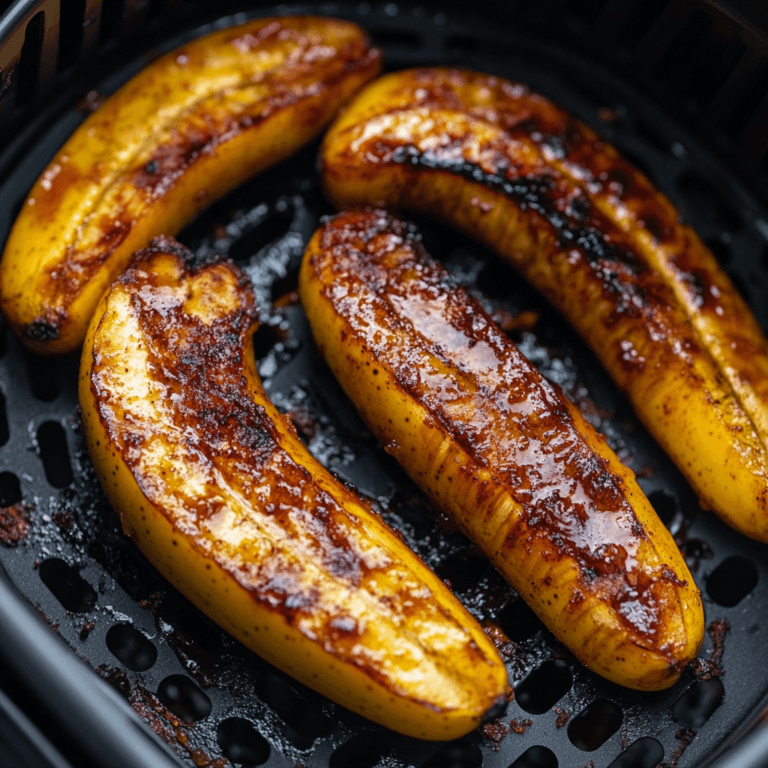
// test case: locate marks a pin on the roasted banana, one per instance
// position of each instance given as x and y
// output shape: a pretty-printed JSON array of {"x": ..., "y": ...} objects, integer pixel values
[
  {"x": 187, "y": 129},
  {"x": 501, "y": 451},
  {"x": 593, "y": 235},
  {"x": 214, "y": 486}
]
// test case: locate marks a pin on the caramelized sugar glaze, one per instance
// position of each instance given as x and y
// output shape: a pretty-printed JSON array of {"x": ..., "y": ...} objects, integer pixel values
[
  {"x": 214, "y": 486},
  {"x": 592, "y": 234},
  {"x": 501, "y": 450},
  {"x": 188, "y": 128}
]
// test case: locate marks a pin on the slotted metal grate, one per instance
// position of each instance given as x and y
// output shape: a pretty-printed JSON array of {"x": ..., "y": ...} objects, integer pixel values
[{"x": 197, "y": 689}]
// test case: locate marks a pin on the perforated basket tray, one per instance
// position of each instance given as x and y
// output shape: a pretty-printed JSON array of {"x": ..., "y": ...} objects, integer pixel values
[{"x": 680, "y": 87}]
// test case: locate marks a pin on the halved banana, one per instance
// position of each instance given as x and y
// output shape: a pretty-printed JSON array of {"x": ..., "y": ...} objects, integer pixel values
[
  {"x": 592, "y": 234},
  {"x": 501, "y": 451},
  {"x": 187, "y": 129},
  {"x": 215, "y": 487}
]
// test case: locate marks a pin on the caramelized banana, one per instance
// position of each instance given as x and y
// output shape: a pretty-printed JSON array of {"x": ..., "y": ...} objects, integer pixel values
[
  {"x": 191, "y": 126},
  {"x": 215, "y": 487},
  {"x": 593, "y": 235},
  {"x": 501, "y": 451}
]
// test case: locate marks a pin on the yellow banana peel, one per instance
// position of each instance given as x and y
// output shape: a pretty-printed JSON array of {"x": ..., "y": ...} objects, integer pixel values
[
  {"x": 214, "y": 486},
  {"x": 501, "y": 451},
  {"x": 187, "y": 129},
  {"x": 597, "y": 239}
]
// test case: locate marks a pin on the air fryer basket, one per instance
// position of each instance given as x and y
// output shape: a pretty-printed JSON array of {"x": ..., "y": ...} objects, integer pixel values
[{"x": 681, "y": 87}]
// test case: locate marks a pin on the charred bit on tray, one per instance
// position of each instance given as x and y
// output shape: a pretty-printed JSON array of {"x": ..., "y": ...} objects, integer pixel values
[
  {"x": 15, "y": 521},
  {"x": 520, "y": 725}
]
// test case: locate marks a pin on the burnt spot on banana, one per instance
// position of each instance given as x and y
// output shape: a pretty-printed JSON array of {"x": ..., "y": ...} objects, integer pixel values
[{"x": 42, "y": 330}]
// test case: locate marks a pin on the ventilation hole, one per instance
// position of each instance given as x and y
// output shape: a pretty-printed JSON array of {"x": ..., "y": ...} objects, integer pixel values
[
  {"x": 732, "y": 581},
  {"x": 398, "y": 38},
  {"x": 263, "y": 234},
  {"x": 518, "y": 621},
  {"x": 710, "y": 204},
  {"x": 457, "y": 754},
  {"x": 496, "y": 279},
  {"x": 10, "y": 489},
  {"x": 664, "y": 504},
  {"x": 29, "y": 63},
  {"x": 241, "y": 743},
  {"x": 592, "y": 727},
  {"x": 54, "y": 453},
  {"x": 720, "y": 248},
  {"x": 753, "y": 92},
  {"x": 282, "y": 286},
  {"x": 544, "y": 687},
  {"x": 43, "y": 374},
  {"x": 644, "y": 13},
  {"x": 70, "y": 32},
  {"x": 111, "y": 16},
  {"x": 363, "y": 751},
  {"x": 131, "y": 647},
  {"x": 462, "y": 571},
  {"x": 682, "y": 50},
  {"x": 265, "y": 338},
  {"x": 4, "y": 430},
  {"x": 697, "y": 704},
  {"x": 304, "y": 718},
  {"x": 536, "y": 757},
  {"x": 644, "y": 753},
  {"x": 67, "y": 585},
  {"x": 184, "y": 698}
]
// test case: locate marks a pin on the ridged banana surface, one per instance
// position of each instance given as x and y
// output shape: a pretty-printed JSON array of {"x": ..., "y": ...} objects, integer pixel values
[
  {"x": 216, "y": 489},
  {"x": 597, "y": 239},
  {"x": 501, "y": 451},
  {"x": 190, "y": 127}
]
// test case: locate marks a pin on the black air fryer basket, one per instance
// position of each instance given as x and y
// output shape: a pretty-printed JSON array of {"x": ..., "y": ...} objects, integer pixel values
[{"x": 102, "y": 663}]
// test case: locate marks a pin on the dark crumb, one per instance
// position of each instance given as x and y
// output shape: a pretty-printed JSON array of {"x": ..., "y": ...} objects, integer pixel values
[
  {"x": 86, "y": 629},
  {"x": 153, "y": 602},
  {"x": 91, "y": 102},
  {"x": 117, "y": 678},
  {"x": 503, "y": 644},
  {"x": 646, "y": 472},
  {"x": 63, "y": 518},
  {"x": 706, "y": 669},
  {"x": 14, "y": 523},
  {"x": 304, "y": 421},
  {"x": 520, "y": 726},
  {"x": 562, "y": 717},
  {"x": 590, "y": 764},
  {"x": 685, "y": 737},
  {"x": 496, "y": 732},
  {"x": 510, "y": 322}
]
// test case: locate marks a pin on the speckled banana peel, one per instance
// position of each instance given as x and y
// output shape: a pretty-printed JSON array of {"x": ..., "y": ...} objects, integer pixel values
[
  {"x": 216, "y": 489},
  {"x": 597, "y": 239},
  {"x": 501, "y": 451},
  {"x": 187, "y": 129}
]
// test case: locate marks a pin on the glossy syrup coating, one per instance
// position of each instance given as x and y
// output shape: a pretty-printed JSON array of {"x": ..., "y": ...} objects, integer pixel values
[
  {"x": 188, "y": 128},
  {"x": 217, "y": 490},
  {"x": 593, "y": 235},
  {"x": 501, "y": 451}
]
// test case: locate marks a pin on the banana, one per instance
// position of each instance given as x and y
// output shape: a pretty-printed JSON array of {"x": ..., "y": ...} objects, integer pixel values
[
  {"x": 501, "y": 451},
  {"x": 593, "y": 235},
  {"x": 187, "y": 129},
  {"x": 216, "y": 489}
]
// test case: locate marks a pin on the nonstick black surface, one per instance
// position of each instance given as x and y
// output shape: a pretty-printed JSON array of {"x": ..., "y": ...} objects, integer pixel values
[{"x": 63, "y": 549}]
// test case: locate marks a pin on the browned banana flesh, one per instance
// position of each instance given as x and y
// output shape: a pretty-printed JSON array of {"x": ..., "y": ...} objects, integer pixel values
[
  {"x": 214, "y": 486},
  {"x": 501, "y": 451},
  {"x": 593, "y": 235},
  {"x": 187, "y": 129}
]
